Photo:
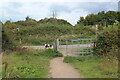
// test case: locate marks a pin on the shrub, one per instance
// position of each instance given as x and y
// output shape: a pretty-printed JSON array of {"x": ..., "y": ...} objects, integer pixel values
[
  {"x": 49, "y": 53},
  {"x": 10, "y": 25},
  {"x": 107, "y": 41},
  {"x": 7, "y": 43},
  {"x": 27, "y": 23}
]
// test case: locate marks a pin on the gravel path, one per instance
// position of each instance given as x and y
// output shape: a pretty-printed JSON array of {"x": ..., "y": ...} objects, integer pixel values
[{"x": 59, "y": 69}]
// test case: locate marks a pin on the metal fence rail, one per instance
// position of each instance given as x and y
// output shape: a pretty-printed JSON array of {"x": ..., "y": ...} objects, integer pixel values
[{"x": 74, "y": 47}]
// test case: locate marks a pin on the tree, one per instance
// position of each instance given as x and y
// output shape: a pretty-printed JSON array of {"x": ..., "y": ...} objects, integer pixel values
[
  {"x": 111, "y": 16},
  {"x": 81, "y": 21},
  {"x": 90, "y": 19},
  {"x": 118, "y": 13},
  {"x": 101, "y": 18}
]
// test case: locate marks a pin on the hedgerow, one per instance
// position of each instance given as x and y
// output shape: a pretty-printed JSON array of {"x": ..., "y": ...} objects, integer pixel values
[{"x": 107, "y": 41}]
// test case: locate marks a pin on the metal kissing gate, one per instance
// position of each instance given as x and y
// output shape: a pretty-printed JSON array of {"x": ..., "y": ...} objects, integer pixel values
[{"x": 74, "y": 47}]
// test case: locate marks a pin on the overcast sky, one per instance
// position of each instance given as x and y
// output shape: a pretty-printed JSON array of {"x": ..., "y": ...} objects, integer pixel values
[{"x": 69, "y": 10}]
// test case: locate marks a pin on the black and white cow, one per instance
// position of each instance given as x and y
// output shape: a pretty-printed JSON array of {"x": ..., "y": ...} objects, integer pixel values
[{"x": 48, "y": 46}]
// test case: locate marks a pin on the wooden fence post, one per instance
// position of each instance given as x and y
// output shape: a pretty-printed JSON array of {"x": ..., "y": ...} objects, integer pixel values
[{"x": 56, "y": 45}]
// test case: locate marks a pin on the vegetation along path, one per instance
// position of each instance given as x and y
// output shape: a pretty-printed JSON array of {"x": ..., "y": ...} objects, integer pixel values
[{"x": 59, "y": 69}]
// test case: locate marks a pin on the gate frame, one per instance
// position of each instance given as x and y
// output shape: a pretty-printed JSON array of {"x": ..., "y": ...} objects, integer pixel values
[{"x": 58, "y": 43}]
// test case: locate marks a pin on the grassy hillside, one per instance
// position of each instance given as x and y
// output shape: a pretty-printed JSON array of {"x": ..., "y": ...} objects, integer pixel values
[{"x": 38, "y": 33}]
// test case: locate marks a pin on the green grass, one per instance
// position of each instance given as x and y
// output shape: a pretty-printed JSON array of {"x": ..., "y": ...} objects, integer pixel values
[
  {"x": 85, "y": 51},
  {"x": 26, "y": 66},
  {"x": 94, "y": 67},
  {"x": 48, "y": 53},
  {"x": 35, "y": 65}
]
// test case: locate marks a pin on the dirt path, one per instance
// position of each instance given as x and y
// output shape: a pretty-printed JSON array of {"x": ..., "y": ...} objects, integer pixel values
[
  {"x": 59, "y": 69},
  {"x": 36, "y": 47}
]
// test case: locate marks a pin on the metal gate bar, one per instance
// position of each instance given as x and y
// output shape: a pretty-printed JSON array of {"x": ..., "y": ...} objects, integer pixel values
[{"x": 75, "y": 46}]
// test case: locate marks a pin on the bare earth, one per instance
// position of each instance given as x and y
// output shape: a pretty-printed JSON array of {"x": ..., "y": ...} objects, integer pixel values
[{"x": 59, "y": 69}]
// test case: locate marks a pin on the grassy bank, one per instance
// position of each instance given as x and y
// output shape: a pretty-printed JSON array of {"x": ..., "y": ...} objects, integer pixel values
[
  {"x": 35, "y": 65},
  {"x": 94, "y": 67}
]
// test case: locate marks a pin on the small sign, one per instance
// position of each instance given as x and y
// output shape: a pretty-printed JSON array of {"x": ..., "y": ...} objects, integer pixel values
[
  {"x": 96, "y": 25},
  {"x": 18, "y": 29}
]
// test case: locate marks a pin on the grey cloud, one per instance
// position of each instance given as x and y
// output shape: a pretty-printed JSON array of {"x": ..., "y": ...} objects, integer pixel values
[{"x": 95, "y": 7}]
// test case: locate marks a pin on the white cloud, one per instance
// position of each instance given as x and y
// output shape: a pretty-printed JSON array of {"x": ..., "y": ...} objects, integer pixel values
[
  {"x": 70, "y": 11},
  {"x": 59, "y": 0},
  {"x": 75, "y": 13}
]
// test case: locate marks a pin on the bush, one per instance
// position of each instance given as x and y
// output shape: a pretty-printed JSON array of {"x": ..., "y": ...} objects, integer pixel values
[
  {"x": 10, "y": 25},
  {"x": 7, "y": 43},
  {"x": 49, "y": 53},
  {"x": 27, "y": 23},
  {"x": 107, "y": 41},
  {"x": 43, "y": 33}
]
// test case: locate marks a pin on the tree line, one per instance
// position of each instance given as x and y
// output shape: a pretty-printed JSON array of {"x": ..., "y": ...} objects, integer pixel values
[{"x": 102, "y": 18}]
